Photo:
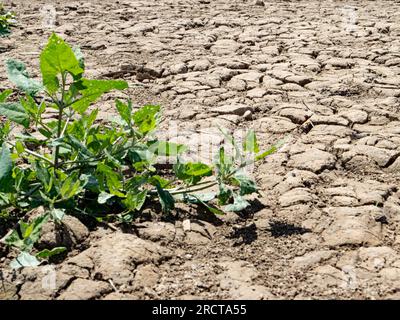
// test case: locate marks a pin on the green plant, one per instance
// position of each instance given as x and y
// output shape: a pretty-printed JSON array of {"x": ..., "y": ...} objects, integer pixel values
[
  {"x": 7, "y": 20},
  {"x": 74, "y": 164}
]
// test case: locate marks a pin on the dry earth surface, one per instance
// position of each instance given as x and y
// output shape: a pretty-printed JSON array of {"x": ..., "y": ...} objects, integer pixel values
[{"x": 327, "y": 221}]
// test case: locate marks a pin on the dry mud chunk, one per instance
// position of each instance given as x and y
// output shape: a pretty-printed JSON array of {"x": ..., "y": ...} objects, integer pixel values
[
  {"x": 156, "y": 231},
  {"x": 381, "y": 156},
  {"x": 237, "y": 109},
  {"x": 332, "y": 119},
  {"x": 83, "y": 289},
  {"x": 353, "y": 226},
  {"x": 237, "y": 281},
  {"x": 355, "y": 116},
  {"x": 312, "y": 258},
  {"x": 224, "y": 46},
  {"x": 70, "y": 233},
  {"x": 296, "y": 115},
  {"x": 256, "y": 93},
  {"x": 312, "y": 159},
  {"x": 198, "y": 232},
  {"x": 376, "y": 258},
  {"x": 328, "y": 276},
  {"x": 116, "y": 256},
  {"x": 146, "y": 276},
  {"x": 276, "y": 125},
  {"x": 295, "y": 196}
]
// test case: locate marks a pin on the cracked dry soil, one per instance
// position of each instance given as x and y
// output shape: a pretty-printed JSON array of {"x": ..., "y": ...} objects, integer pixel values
[{"x": 326, "y": 223}]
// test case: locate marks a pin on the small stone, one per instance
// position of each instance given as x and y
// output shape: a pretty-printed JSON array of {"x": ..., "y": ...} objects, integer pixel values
[
  {"x": 186, "y": 225},
  {"x": 248, "y": 115}
]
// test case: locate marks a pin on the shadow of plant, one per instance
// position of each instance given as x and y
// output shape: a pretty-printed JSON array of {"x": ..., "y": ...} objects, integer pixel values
[
  {"x": 283, "y": 229},
  {"x": 244, "y": 235}
]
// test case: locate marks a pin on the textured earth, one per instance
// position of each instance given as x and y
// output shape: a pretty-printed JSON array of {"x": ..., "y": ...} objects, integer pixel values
[{"x": 325, "y": 76}]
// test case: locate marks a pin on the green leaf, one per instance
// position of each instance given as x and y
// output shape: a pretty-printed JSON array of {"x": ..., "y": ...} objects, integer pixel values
[
  {"x": 32, "y": 231},
  {"x": 224, "y": 194},
  {"x": 15, "y": 112},
  {"x": 164, "y": 148},
  {"x": 112, "y": 178},
  {"x": 14, "y": 240},
  {"x": 103, "y": 197},
  {"x": 239, "y": 204},
  {"x": 250, "y": 143},
  {"x": 192, "y": 172},
  {"x": 125, "y": 111},
  {"x": 57, "y": 214},
  {"x": 56, "y": 59},
  {"x": 146, "y": 118},
  {"x": 17, "y": 74},
  {"x": 135, "y": 200},
  {"x": 224, "y": 163},
  {"x": 46, "y": 253},
  {"x": 24, "y": 260},
  {"x": 30, "y": 234},
  {"x": 44, "y": 175},
  {"x": 166, "y": 199},
  {"x": 209, "y": 208},
  {"x": 271, "y": 150},
  {"x": 4, "y": 95},
  {"x": 247, "y": 185},
  {"x": 154, "y": 180},
  {"x": 6, "y": 167},
  {"x": 91, "y": 90},
  {"x": 70, "y": 187}
]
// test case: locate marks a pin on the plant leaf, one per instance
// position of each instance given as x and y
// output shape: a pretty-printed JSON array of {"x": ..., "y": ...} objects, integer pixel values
[
  {"x": 125, "y": 111},
  {"x": 17, "y": 74},
  {"x": 192, "y": 172},
  {"x": 247, "y": 185},
  {"x": 70, "y": 187},
  {"x": 146, "y": 118},
  {"x": 6, "y": 167},
  {"x": 24, "y": 260},
  {"x": 164, "y": 148},
  {"x": 250, "y": 143},
  {"x": 103, "y": 197},
  {"x": 135, "y": 200},
  {"x": 210, "y": 208},
  {"x": 4, "y": 95},
  {"x": 15, "y": 112},
  {"x": 112, "y": 178},
  {"x": 166, "y": 199},
  {"x": 46, "y": 253},
  {"x": 56, "y": 59},
  {"x": 57, "y": 214},
  {"x": 224, "y": 194},
  {"x": 239, "y": 204},
  {"x": 91, "y": 90}
]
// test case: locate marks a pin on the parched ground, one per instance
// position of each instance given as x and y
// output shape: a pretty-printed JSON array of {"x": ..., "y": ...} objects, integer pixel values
[{"x": 324, "y": 75}]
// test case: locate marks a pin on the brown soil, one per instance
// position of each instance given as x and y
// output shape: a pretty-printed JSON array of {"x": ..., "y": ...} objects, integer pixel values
[{"x": 326, "y": 223}]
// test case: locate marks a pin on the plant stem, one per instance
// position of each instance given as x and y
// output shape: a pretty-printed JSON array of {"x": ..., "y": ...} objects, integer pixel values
[
  {"x": 37, "y": 155},
  {"x": 60, "y": 105}
]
